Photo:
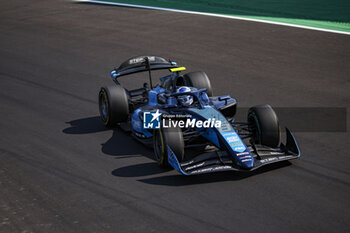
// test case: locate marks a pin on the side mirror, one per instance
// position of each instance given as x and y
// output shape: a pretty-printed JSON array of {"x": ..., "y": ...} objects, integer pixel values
[{"x": 224, "y": 97}]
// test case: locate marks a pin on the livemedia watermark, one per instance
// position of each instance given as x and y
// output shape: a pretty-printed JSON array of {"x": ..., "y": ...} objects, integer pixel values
[{"x": 156, "y": 120}]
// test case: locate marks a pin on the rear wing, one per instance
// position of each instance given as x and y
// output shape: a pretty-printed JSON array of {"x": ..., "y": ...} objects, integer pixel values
[{"x": 142, "y": 63}]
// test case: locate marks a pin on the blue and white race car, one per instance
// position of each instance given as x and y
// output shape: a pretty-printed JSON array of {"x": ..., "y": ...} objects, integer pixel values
[{"x": 180, "y": 114}]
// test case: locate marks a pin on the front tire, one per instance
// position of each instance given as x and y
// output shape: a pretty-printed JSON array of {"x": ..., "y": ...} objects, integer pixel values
[
  {"x": 199, "y": 80},
  {"x": 113, "y": 105},
  {"x": 171, "y": 137},
  {"x": 264, "y": 125}
]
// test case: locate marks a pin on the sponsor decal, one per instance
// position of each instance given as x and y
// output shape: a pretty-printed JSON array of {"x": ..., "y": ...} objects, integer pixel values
[
  {"x": 194, "y": 166},
  {"x": 232, "y": 139},
  {"x": 140, "y": 135},
  {"x": 244, "y": 153},
  {"x": 246, "y": 160},
  {"x": 275, "y": 153},
  {"x": 225, "y": 127},
  {"x": 211, "y": 169},
  {"x": 239, "y": 148},
  {"x": 235, "y": 142},
  {"x": 268, "y": 160},
  {"x": 141, "y": 59},
  {"x": 277, "y": 158}
]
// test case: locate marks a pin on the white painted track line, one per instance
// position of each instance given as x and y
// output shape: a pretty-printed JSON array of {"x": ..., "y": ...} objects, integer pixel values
[{"x": 212, "y": 14}]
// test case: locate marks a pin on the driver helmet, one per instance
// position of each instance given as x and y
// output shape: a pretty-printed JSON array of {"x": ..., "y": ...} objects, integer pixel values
[{"x": 185, "y": 100}]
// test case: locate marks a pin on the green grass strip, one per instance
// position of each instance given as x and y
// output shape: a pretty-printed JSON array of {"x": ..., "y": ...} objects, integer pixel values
[{"x": 325, "y": 14}]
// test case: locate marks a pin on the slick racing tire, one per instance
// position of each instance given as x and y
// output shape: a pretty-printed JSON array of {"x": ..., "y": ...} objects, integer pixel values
[
  {"x": 165, "y": 137},
  {"x": 113, "y": 105},
  {"x": 199, "y": 80},
  {"x": 264, "y": 125}
]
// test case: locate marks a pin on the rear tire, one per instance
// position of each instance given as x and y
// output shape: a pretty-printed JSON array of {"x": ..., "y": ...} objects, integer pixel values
[
  {"x": 172, "y": 137},
  {"x": 113, "y": 105},
  {"x": 264, "y": 125},
  {"x": 199, "y": 80}
]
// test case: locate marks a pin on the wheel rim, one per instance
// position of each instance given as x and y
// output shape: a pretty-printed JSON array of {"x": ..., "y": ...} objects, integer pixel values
[
  {"x": 254, "y": 127},
  {"x": 158, "y": 146},
  {"x": 103, "y": 107}
]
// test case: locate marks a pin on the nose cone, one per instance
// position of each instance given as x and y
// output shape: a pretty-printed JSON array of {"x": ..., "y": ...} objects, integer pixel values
[
  {"x": 245, "y": 159},
  {"x": 247, "y": 163}
]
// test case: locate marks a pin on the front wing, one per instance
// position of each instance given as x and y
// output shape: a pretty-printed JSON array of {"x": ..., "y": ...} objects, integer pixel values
[{"x": 221, "y": 160}]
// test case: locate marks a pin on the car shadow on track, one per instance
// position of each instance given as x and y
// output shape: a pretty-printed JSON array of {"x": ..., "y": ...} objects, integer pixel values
[
  {"x": 140, "y": 170},
  {"x": 121, "y": 145},
  {"x": 85, "y": 126},
  {"x": 177, "y": 179},
  {"x": 180, "y": 180}
]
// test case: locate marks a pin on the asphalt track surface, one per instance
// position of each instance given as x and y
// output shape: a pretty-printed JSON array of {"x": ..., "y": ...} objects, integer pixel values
[{"x": 62, "y": 171}]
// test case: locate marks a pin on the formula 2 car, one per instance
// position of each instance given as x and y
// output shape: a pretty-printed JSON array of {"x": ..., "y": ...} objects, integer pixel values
[{"x": 181, "y": 114}]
